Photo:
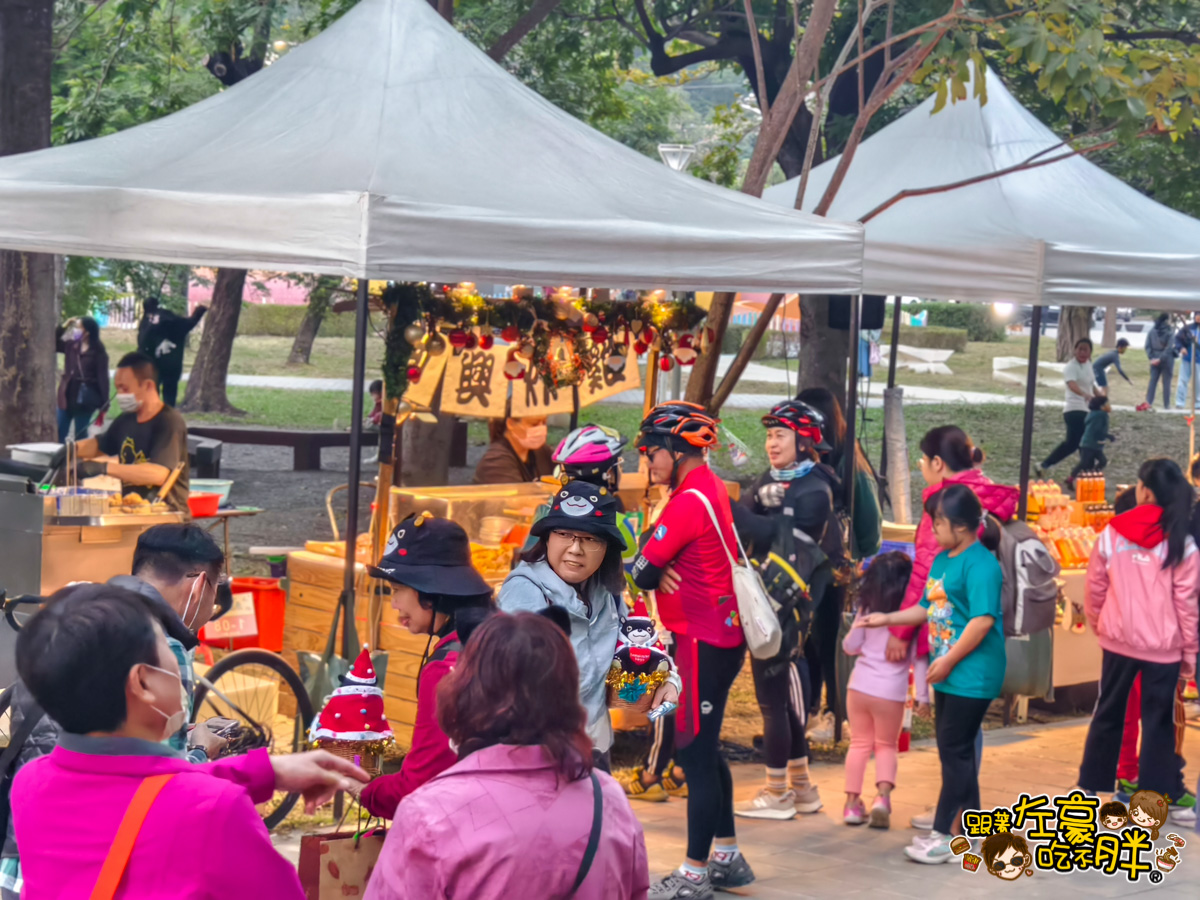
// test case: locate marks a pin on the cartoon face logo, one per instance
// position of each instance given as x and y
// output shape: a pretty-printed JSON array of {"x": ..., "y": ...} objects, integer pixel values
[
  {"x": 638, "y": 631},
  {"x": 394, "y": 541},
  {"x": 1006, "y": 855},
  {"x": 577, "y": 506},
  {"x": 1114, "y": 815},
  {"x": 1149, "y": 810}
]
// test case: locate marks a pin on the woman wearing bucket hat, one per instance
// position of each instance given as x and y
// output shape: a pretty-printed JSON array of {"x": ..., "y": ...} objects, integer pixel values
[
  {"x": 576, "y": 564},
  {"x": 435, "y": 591}
]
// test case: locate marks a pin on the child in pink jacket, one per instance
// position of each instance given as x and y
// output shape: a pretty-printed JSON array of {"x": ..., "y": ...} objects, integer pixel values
[
  {"x": 97, "y": 660},
  {"x": 1141, "y": 603}
]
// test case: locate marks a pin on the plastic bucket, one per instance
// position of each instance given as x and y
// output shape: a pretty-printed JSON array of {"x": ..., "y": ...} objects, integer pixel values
[
  {"x": 203, "y": 505},
  {"x": 270, "y": 603}
]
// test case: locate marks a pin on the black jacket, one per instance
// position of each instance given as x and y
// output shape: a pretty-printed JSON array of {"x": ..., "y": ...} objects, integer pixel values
[
  {"x": 812, "y": 501},
  {"x": 163, "y": 325}
]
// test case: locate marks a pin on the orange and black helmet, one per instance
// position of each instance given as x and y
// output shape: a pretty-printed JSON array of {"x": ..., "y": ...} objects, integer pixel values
[{"x": 678, "y": 426}]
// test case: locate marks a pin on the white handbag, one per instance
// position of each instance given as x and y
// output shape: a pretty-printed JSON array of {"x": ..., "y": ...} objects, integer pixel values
[{"x": 757, "y": 611}]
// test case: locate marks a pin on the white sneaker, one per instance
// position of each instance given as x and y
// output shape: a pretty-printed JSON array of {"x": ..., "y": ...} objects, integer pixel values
[
  {"x": 767, "y": 805},
  {"x": 1183, "y": 815},
  {"x": 923, "y": 821},
  {"x": 930, "y": 850},
  {"x": 808, "y": 799},
  {"x": 820, "y": 730}
]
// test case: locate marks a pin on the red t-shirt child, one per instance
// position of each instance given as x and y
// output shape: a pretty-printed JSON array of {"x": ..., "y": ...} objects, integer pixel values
[{"x": 705, "y": 607}]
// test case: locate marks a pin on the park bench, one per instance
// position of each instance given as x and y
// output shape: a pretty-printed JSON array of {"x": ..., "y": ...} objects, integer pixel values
[{"x": 306, "y": 445}]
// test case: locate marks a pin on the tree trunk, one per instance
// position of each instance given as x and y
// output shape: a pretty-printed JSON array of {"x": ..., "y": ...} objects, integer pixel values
[
  {"x": 319, "y": 300},
  {"x": 1110, "y": 327},
  {"x": 206, "y": 384},
  {"x": 27, "y": 320},
  {"x": 425, "y": 449},
  {"x": 1074, "y": 324},
  {"x": 823, "y": 359},
  {"x": 535, "y": 16}
]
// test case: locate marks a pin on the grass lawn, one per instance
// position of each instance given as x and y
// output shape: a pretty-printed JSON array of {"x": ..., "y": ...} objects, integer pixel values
[
  {"x": 973, "y": 372},
  {"x": 261, "y": 355}
]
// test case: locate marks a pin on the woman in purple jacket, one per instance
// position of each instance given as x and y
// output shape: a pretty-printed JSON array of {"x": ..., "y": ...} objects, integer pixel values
[{"x": 522, "y": 812}]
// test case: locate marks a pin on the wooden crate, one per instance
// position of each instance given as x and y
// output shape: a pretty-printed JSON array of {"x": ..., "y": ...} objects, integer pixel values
[{"x": 314, "y": 586}]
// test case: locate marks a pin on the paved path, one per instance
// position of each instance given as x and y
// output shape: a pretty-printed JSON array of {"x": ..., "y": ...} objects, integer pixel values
[{"x": 817, "y": 856}]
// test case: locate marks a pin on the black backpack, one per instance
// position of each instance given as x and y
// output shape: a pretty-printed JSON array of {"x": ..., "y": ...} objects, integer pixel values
[
  {"x": 31, "y": 715},
  {"x": 795, "y": 572}
]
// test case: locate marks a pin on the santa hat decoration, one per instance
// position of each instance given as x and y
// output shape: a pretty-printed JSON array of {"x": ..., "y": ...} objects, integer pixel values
[
  {"x": 354, "y": 712},
  {"x": 639, "y": 609}
]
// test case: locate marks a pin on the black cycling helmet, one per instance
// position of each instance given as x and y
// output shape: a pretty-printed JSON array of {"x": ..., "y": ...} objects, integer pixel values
[
  {"x": 678, "y": 426},
  {"x": 800, "y": 418}
]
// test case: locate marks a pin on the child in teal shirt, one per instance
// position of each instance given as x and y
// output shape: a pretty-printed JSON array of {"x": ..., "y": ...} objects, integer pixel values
[{"x": 966, "y": 650}]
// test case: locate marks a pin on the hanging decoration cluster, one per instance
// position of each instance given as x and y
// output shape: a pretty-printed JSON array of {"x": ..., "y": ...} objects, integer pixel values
[{"x": 555, "y": 336}]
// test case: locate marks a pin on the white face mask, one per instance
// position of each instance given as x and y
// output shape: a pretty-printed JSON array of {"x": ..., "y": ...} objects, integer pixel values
[
  {"x": 175, "y": 720},
  {"x": 128, "y": 403},
  {"x": 531, "y": 437},
  {"x": 190, "y": 624}
]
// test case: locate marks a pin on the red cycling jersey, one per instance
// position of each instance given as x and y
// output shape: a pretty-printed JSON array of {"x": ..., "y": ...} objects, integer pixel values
[{"x": 705, "y": 607}]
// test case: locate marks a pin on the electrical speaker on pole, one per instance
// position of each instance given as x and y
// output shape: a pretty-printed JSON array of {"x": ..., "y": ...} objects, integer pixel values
[{"x": 872, "y": 312}]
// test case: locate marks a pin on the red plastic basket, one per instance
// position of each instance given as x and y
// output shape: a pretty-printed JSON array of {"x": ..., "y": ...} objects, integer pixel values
[
  {"x": 203, "y": 505},
  {"x": 270, "y": 604}
]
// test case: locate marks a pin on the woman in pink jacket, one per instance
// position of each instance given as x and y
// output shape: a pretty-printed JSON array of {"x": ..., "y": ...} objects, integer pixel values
[
  {"x": 947, "y": 456},
  {"x": 97, "y": 661},
  {"x": 522, "y": 813},
  {"x": 1141, "y": 602}
]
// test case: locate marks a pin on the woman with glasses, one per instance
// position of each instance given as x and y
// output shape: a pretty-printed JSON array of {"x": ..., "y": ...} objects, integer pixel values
[{"x": 576, "y": 564}]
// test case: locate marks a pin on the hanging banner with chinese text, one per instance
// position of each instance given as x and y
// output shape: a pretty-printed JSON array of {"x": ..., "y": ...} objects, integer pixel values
[
  {"x": 420, "y": 394},
  {"x": 600, "y": 382},
  {"x": 474, "y": 384}
]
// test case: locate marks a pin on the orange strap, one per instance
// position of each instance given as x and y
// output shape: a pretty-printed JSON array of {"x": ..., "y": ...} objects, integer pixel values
[{"x": 117, "y": 860}]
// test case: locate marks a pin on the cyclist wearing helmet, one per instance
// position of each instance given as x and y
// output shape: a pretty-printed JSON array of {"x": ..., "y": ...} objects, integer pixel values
[
  {"x": 799, "y": 488},
  {"x": 685, "y": 561},
  {"x": 592, "y": 454}
]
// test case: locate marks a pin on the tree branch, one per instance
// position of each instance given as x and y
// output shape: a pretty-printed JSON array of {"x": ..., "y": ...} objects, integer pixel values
[
  {"x": 1157, "y": 34},
  {"x": 764, "y": 104},
  {"x": 745, "y": 353},
  {"x": 108, "y": 63},
  {"x": 534, "y": 16}
]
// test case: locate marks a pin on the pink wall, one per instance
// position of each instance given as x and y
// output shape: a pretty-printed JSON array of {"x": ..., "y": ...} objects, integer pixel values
[{"x": 278, "y": 290}]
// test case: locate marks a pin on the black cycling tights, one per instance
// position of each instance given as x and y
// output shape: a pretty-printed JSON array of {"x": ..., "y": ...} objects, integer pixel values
[
  {"x": 782, "y": 702},
  {"x": 710, "y": 786}
]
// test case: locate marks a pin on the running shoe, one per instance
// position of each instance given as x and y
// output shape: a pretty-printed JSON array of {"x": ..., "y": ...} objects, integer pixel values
[
  {"x": 675, "y": 787},
  {"x": 923, "y": 821},
  {"x": 808, "y": 799},
  {"x": 636, "y": 789},
  {"x": 930, "y": 850},
  {"x": 734, "y": 874},
  {"x": 854, "y": 813},
  {"x": 768, "y": 805},
  {"x": 1183, "y": 815},
  {"x": 1125, "y": 790},
  {"x": 678, "y": 887},
  {"x": 881, "y": 813},
  {"x": 820, "y": 728},
  {"x": 1188, "y": 800}
]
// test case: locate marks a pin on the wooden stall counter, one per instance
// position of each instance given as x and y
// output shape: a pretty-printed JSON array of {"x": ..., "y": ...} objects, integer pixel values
[{"x": 314, "y": 586}]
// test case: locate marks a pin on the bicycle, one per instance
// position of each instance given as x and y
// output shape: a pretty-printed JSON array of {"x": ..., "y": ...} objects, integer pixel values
[{"x": 256, "y": 688}]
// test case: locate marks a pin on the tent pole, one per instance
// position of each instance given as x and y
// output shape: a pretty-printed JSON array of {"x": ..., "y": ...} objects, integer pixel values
[
  {"x": 848, "y": 473},
  {"x": 1192, "y": 416},
  {"x": 891, "y": 382},
  {"x": 349, "y": 650},
  {"x": 1031, "y": 377}
]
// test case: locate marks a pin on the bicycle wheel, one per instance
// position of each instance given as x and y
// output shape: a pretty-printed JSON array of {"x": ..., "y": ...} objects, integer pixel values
[
  {"x": 264, "y": 694},
  {"x": 5, "y": 718}
]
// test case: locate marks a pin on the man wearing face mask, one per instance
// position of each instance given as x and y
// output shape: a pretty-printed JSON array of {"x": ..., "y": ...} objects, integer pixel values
[
  {"x": 518, "y": 452},
  {"x": 147, "y": 440}
]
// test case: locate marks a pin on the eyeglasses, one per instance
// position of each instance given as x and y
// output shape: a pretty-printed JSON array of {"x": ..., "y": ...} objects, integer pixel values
[
  {"x": 222, "y": 580},
  {"x": 586, "y": 542}
]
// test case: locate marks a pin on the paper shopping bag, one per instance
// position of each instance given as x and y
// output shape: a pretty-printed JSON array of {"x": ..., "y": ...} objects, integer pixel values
[{"x": 338, "y": 865}]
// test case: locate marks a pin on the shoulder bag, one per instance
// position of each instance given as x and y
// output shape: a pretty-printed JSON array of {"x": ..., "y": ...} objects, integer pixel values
[
  {"x": 593, "y": 844},
  {"x": 760, "y": 619}
]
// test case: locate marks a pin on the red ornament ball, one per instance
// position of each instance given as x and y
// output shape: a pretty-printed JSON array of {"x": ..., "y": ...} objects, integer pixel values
[
  {"x": 414, "y": 374},
  {"x": 486, "y": 341},
  {"x": 511, "y": 334},
  {"x": 591, "y": 322},
  {"x": 600, "y": 335},
  {"x": 639, "y": 347},
  {"x": 472, "y": 341},
  {"x": 458, "y": 338},
  {"x": 667, "y": 363}
]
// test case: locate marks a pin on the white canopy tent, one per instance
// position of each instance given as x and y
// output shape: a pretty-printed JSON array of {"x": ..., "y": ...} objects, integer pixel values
[
  {"x": 390, "y": 147},
  {"x": 1063, "y": 233}
]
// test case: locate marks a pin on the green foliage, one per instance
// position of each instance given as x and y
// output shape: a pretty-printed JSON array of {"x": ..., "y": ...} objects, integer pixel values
[
  {"x": 735, "y": 336},
  {"x": 284, "y": 321},
  {"x": 976, "y": 320},
  {"x": 90, "y": 284},
  {"x": 723, "y": 157}
]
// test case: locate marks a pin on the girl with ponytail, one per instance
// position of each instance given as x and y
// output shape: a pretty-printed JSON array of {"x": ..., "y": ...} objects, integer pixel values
[
  {"x": 1141, "y": 602},
  {"x": 961, "y": 603}
]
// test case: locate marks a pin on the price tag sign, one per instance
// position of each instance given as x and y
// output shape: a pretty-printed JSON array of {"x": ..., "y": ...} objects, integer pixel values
[{"x": 239, "y": 622}]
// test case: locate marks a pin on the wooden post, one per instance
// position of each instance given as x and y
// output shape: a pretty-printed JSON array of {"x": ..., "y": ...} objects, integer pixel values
[
  {"x": 349, "y": 632},
  {"x": 1031, "y": 378}
]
